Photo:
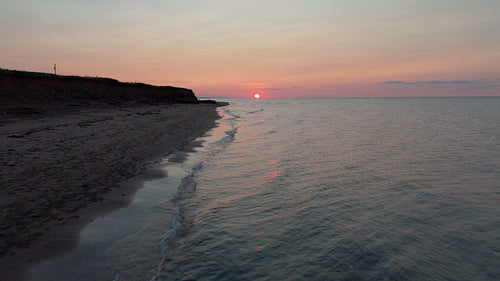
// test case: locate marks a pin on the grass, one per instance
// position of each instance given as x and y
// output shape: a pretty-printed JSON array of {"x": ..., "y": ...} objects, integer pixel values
[
  {"x": 36, "y": 86},
  {"x": 41, "y": 75}
]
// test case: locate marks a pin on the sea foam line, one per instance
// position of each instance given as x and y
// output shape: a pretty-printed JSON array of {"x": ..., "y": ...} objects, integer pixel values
[
  {"x": 186, "y": 181},
  {"x": 175, "y": 223}
]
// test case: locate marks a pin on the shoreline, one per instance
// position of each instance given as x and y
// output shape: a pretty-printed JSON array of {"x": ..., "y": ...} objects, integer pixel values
[{"x": 64, "y": 167}]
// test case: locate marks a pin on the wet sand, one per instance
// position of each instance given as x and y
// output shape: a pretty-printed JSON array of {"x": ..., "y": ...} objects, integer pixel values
[{"x": 61, "y": 166}]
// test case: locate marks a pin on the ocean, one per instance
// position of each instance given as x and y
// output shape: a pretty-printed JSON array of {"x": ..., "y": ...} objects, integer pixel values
[{"x": 314, "y": 189}]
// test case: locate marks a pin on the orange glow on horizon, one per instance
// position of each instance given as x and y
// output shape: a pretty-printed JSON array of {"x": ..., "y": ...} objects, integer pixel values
[{"x": 204, "y": 49}]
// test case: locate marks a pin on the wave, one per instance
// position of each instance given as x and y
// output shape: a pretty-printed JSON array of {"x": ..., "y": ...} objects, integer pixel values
[
  {"x": 228, "y": 114},
  {"x": 170, "y": 234},
  {"x": 187, "y": 183},
  {"x": 255, "y": 111},
  {"x": 175, "y": 225},
  {"x": 229, "y": 135}
]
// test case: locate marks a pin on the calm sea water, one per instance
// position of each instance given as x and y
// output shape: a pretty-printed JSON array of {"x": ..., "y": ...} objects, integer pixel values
[{"x": 326, "y": 189}]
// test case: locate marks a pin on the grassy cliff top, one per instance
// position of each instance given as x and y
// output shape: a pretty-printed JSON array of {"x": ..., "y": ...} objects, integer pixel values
[{"x": 24, "y": 86}]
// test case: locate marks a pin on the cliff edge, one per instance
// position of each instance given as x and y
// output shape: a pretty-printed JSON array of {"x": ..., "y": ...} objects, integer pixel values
[{"x": 23, "y": 86}]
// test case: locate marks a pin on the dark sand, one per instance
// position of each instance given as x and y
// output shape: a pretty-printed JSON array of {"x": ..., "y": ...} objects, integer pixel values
[{"x": 63, "y": 165}]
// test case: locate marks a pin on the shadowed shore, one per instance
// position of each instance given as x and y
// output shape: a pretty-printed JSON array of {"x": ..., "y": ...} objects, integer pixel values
[{"x": 62, "y": 164}]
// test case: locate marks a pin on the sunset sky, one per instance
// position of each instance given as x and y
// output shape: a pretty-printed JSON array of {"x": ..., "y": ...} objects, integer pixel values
[{"x": 280, "y": 48}]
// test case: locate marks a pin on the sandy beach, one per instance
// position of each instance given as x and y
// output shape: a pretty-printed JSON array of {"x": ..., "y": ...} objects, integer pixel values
[{"x": 61, "y": 166}]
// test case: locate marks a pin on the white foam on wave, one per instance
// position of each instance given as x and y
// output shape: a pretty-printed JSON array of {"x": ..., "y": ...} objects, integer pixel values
[
  {"x": 227, "y": 138},
  {"x": 186, "y": 182},
  {"x": 226, "y": 131},
  {"x": 227, "y": 114},
  {"x": 255, "y": 111},
  {"x": 229, "y": 135},
  {"x": 175, "y": 225}
]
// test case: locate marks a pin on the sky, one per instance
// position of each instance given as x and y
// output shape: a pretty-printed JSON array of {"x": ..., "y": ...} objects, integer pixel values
[{"x": 280, "y": 48}]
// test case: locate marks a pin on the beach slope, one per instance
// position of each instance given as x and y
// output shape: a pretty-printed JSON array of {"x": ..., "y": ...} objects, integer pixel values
[
  {"x": 58, "y": 158},
  {"x": 53, "y": 165}
]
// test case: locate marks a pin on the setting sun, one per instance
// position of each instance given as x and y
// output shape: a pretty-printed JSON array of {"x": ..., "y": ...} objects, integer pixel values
[{"x": 256, "y": 96}]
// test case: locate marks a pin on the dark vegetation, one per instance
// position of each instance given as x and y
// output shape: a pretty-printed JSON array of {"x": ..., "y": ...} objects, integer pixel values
[{"x": 23, "y": 86}]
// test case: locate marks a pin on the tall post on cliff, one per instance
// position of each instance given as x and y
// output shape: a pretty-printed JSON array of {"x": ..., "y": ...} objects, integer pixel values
[{"x": 55, "y": 71}]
